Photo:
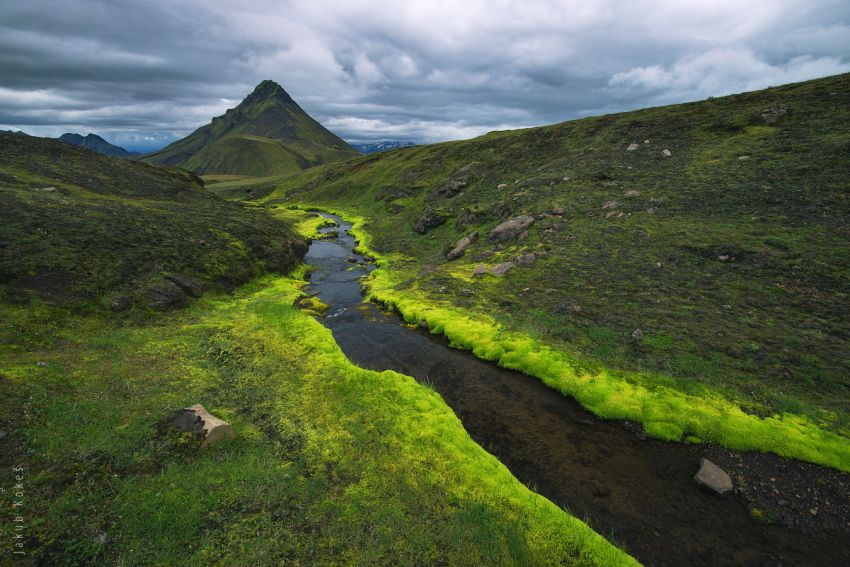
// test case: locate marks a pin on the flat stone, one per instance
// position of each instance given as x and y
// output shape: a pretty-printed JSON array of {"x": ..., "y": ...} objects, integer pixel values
[
  {"x": 510, "y": 228},
  {"x": 632, "y": 147},
  {"x": 196, "y": 419},
  {"x": 502, "y": 269},
  {"x": 712, "y": 478},
  {"x": 479, "y": 270}
]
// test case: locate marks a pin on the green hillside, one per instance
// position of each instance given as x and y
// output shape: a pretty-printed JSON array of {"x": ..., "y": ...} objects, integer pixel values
[
  {"x": 78, "y": 225},
  {"x": 685, "y": 253},
  {"x": 267, "y": 134}
]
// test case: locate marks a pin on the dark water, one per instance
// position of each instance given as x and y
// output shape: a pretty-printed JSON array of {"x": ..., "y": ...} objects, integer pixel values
[{"x": 633, "y": 490}]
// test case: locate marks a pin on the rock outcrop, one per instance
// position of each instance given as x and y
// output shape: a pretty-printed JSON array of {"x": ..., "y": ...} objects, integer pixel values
[
  {"x": 510, "y": 229},
  {"x": 461, "y": 246}
]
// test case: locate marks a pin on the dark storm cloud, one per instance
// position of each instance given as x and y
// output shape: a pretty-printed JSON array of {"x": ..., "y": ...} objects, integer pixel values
[{"x": 144, "y": 72}]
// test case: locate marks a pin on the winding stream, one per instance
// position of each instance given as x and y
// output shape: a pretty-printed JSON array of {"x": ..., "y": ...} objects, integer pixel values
[{"x": 636, "y": 491}]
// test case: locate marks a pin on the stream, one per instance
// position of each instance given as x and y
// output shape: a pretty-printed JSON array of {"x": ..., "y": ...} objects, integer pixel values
[{"x": 638, "y": 492}]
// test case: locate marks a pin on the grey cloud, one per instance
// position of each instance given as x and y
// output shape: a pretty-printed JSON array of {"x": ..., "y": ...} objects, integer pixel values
[{"x": 370, "y": 69}]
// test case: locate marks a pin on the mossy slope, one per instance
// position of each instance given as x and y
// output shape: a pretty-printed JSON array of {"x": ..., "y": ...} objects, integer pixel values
[{"x": 77, "y": 225}]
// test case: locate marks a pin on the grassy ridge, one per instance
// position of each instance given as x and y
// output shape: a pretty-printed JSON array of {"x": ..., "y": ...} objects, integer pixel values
[
  {"x": 78, "y": 226},
  {"x": 331, "y": 464},
  {"x": 730, "y": 254}
]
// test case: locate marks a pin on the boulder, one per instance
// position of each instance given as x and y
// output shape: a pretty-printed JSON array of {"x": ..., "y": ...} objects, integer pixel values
[
  {"x": 164, "y": 295},
  {"x": 461, "y": 246},
  {"x": 196, "y": 419},
  {"x": 526, "y": 259},
  {"x": 479, "y": 271},
  {"x": 712, "y": 478},
  {"x": 511, "y": 228},
  {"x": 666, "y": 153},
  {"x": 120, "y": 303},
  {"x": 502, "y": 269},
  {"x": 771, "y": 115},
  {"x": 189, "y": 285},
  {"x": 427, "y": 220}
]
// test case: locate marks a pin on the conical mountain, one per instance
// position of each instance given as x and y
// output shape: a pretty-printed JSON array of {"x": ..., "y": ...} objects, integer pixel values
[{"x": 267, "y": 134}]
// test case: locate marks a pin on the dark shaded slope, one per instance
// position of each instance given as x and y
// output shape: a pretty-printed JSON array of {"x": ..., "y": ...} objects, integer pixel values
[{"x": 97, "y": 144}]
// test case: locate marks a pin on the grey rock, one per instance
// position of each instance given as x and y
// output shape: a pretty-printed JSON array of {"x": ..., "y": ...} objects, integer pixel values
[
  {"x": 510, "y": 228},
  {"x": 770, "y": 116},
  {"x": 165, "y": 295},
  {"x": 189, "y": 286},
  {"x": 466, "y": 292},
  {"x": 120, "y": 303},
  {"x": 427, "y": 220},
  {"x": 502, "y": 269},
  {"x": 632, "y": 147},
  {"x": 558, "y": 211},
  {"x": 526, "y": 259},
  {"x": 637, "y": 335},
  {"x": 712, "y": 478},
  {"x": 461, "y": 246},
  {"x": 666, "y": 153},
  {"x": 479, "y": 270},
  {"x": 423, "y": 324}
]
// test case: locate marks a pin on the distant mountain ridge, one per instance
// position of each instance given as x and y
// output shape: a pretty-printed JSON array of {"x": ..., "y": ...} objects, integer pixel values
[
  {"x": 382, "y": 146},
  {"x": 97, "y": 144},
  {"x": 266, "y": 134}
]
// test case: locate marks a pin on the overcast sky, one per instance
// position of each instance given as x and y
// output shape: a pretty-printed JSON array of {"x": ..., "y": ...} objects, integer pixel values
[{"x": 143, "y": 73}]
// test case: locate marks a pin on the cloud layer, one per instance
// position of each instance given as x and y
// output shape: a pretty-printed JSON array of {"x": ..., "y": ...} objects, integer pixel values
[{"x": 142, "y": 74}]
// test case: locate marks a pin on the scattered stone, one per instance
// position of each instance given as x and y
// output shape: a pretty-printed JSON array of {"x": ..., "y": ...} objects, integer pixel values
[
  {"x": 723, "y": 257},
  {"x": 666, "y": 153},
  {"x": 461, "y": 246},
  {"x": 565, "y": 178},
  {"x": 742, "y": 158},
  {"x": 479, "y": 270},
  {"x": 610, "y": 205},
  {"x": 189, "y": 285},
  {"x": 352, "y": 260},
  {"x": 646, "y": 141},
  {"x": 427, "y": 220},
  {"x": 558, "y": 211},
  {"x": 501, "y": 186},
  {"x": 510, "y": 228},
  {"x": 502, "y": 269},
  {"x": 196, "y": 419},
  {"x": 631, "y": 193},
  {"x": 466, "y": 292},
  {"x": 120, "y": 303},
  {"x": 101, "y": 539},
  {"x": 637, "y": 335},
  {"x": 771, "y": 115},
  {"x": 423, "y": 324},
  {"x": 48, "y": 189},
  {"x": 526, "y": 259},
  {"x": 712, "y": 478},
  {"x": 202, "y": 242},
  {"x": 42, "y": 364},
  {"x": 164, "y": 295},
  {"x": 632, "y": 147}
]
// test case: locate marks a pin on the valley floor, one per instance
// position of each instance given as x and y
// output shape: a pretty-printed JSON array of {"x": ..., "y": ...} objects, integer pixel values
[{"x": 331, "y": 463}]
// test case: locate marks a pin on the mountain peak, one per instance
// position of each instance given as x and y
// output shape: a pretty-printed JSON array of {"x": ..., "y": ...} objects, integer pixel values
[{"x": 268, "y": 89}]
